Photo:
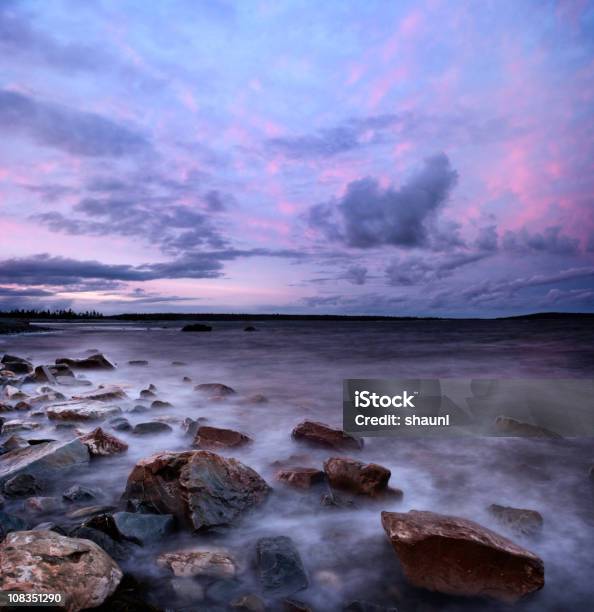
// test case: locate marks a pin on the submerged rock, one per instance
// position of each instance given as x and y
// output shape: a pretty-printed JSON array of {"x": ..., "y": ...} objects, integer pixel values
[
  {"x": 51, "y": 373},
  {"x": 102, "y": 394},
  {"x": 22, "y": 485},
  {"x": 101, "y": 444},
  {"x": 215, "y": 390},
  {"x": 93, "y": 362},
  {"x": 120, "y": 424},
  {"x": 186, "y": 563},
  {"x": 280, "y": 568},
  {"x": 301, "y": 477},
  {"x": 46, "y": 562},
  {"x": 161, "y": 404},
  {"x": 196, "y": 327},
  {"x": 519, "y": 520},
  {"x": 78, "y": 493},
  {"x": 138, "y": 362},
  {"x": 151, "y": 427},
  {"x": 43, "y": 505},
  {"x": 200, "y": 488},
  {"x": 213, "y": 438},
  {"x": 506, "y": 426},
  {"x": 81, "y": 410},
  {"x": 356, "y": 476},
  {"x": 321, "y": 434},
  {"x": 457, "y": 556}
]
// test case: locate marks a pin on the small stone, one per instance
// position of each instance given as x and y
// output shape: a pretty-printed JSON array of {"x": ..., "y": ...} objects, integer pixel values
[
  {"x": 302, "y": 477},
  {"x": 280, "y": 568},
  {"x": 120, "y": 424},
  {"x": 213, "y": 438},
  {"x": 93, "y": 362},
  {"x": 138, "y": 362},
  {"x": 151, "y": 427},
  {"x": 249, "y": 328},
  {"x": 321, "y": 434},
  {"x": 506, "y": 426},
  {"x": 355, "y": 476},
  {"x": 78, "y": 493},
  {"x": 186, "y": 563},
  {"x": 518, "y": 520},
  {"x": 215, "y": 390},
  {"x": 161, "y": 404}
]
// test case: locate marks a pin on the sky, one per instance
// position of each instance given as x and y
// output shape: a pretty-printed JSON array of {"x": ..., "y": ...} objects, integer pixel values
[{"x": 433, "y": 157}]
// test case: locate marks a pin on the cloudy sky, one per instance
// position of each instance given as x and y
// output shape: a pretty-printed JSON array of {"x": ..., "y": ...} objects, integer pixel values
[{"x": 415, "y": 158}]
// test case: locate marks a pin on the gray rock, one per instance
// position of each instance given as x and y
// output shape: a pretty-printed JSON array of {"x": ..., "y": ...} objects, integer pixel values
[
  {"x": 280, "y": 568},
  {"x": 116, "y": 550},
  {"x": 11, "y": 522},
  {"x": 143, "y": 528},
  {"x": 151, "y": 427},
  {"x": 78, "y": 493},
  {"x": 21, "y": 485},
  {"x": 120, "y": 424}
]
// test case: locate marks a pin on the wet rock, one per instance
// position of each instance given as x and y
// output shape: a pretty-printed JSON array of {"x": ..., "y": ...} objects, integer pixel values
[
  {"x": 102, "y": 394},
  {"x": 22, "y": 485},
  {"x": 44, "y": 561},
  {"x": 93, "y": 362},
  {"x": 457, "y": 556},
  {"x": 143, "y": 528},
  {"x": 357, "y": 477},
  {"x": 186, "y": 563},
  {"x": 213, "y": 438},
  {"x": 46, "y": 398},
  {"x": 130, "y": 596},
  {"x": 248, "y": 603},
  {"x": 101, "y": 444},
  {"x": 120, "y": 424},
  {"x": 43, "y": 460},
  {"x": 249, "y": 328},
  {"x": 10, "y": 523},
  {"x": 81, "y": 410},
  {"x": 78, "y": 493},
  {"x": 196, "y": 327},
  {"x": 161, "y": 404},
  {"x": 116, "y": 550},
  {"x": 320, "y": 434},
  {"x": 190, "y": 426},
  {"x": 14, "y": 442},
  {"x": 51, "y": 373},
  {"x": 90, "y": 511},
  {"x": 147, "y": 394},
  {"x": 518, "y": 520},
  {"x": 5, "y": 408},
  {"x": 14, "y": 393},
  {"x": 43, "y": 505},
  {"x": 19, "y": 425},
  {"x": 506, "y": 426},
  {"x": 215, "y": 390},
  {"x": 280, "y": 568},
  {"x": 17, "y": 364},
  {"x": 201, "y": 489},
  {"x": 2, "y": 501},
  {"x": 301, "y": 477},
  {"x": 139, "y": 409},
  {"x": 151, "y": 427},
  {"x": 365, "y": 606},
  {"x": 138, "y": 362},
  {"x": 24, "y": 405}
]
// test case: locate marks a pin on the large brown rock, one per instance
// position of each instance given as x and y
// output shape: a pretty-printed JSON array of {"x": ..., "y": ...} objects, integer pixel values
[
  {"x": 92, "y": 362},
  {"x": 213, "y": 438},
  {"x": 102, "y": 444},
  {"x": 321, "y": 434},
  {"x": 46, "y": 562},
  {"x": 200, "y": 488},
  {"x": 355, "y": 476},
  {"x": 301, "y": 477},
  {"x": 457, "y": 556},
  {"x": 81, "y": 410}
]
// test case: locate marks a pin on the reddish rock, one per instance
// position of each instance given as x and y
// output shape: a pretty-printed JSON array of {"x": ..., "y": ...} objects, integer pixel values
[
  {"x": 200, "y": 488},
  {"x": 323, "y": 435},
  {"x": 212, "y": 438},
  {"x": 81, "y": 410},
  {"x": 50, "y": 373},
  {"x": 519, "y": 520},
  {"x": 301, "y": 477},
  {"x": 356, "y": 476},
  {"x": 101, "y": 444},
  {"x": 92, "y": 362},
  {"x": 457, "y": 556},
  {"x": 186, "y": 563},
  {"x": 102, "y": 394},
  {"x": 215, "y": 390}
]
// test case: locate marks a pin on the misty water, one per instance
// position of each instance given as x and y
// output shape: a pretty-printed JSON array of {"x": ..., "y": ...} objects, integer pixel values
[{"x": 300, "y": 366}]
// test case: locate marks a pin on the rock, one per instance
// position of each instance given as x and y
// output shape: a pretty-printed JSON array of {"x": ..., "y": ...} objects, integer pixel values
[
  {"x": 323, "y": 435},
  {"x": 188, "y": 590},
  {"x": 138, "y": 362},
  {"x": 120, "y": 424},
  {"x": 46, "y": 562},
  {"x": 143, "y": 528},
  {"x": 147, "y": 394},
  {"x": 15, "y": 326},
  {"x": 45, "y": 398},
  {"x": 9, "y": 523},
  {"x": 22, "y": 485},
  {"x": 101, "y": 444},
  {"x": 213, "y": 438},
  {"x": 333, "y": 501},
  {"x": 139, "y": 409},
  {"x": 280, "y": 568},
  {"x": 457, "y": 556},
  {"x": 196, "y": 327},
  {"x": 2, "y": 501},
  {"x": 186, "y": 563},
  {"x": 14, "y": 393},
  {"x": 215, "y": 390},
  {"x": 301, "y": 477},
  {"x": 102, "y": 394},
  {"x": 19, "y": 425},
  {"x": 365, "y": 606},
  {"x": 201, "y": 489},
  {"x": 161, "y": 404},
  {"x": 14, "y": 442},
  {"x": 507, "y": 426},
  {"x": 88, "y": 511},
  {"x": 24, "y": 405},
  {"x": 43, "y": 460},
  {"x": 356, "y": 476},
  {"x": 256, "y": 398},
  {"x": 116, "y": 550},
  {"x": 17, "y": 364},
  {"x": 248, "y": 603},
  {"x": 93, "y": 362},
  {"x": 151, "y": 427},
  {"x": 223, "y": 591},
  {"x": 519, "y": 520},
  {"x": 81, "y": 410},
  {"x": 77, "y": 493},
  {"x": 51, "y": 373},
  {"x": 293, "y": 605},
  {"x": 190, "y": 426},
  {"x": 186, "y": 379},
  {"x": 249, "y": 328},
  {"x": 42, "y": 505},
  {"x": 178, "y": 363}
]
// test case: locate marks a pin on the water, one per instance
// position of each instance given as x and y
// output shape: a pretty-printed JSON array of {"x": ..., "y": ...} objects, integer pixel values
[{"x": 300, "y": 366}]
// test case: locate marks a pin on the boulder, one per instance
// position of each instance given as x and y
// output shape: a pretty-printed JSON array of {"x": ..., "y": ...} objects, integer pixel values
[
  {"x": 81, "y": 410},
  {"x": 457, "y": 556},
  {"x": 355, "y": 476},
  {"x": 518, "y": 520},
  {"x": 196, "y": 327},
  {"x": 143, "y": 528},
  {"x": 301, "y": 477},
  {"x": 103, "y": 394},
  {"x": 151, "y": 427},
  {"x": 506, "y": 426},
  {"x": 22, "y": 485},
  {"x": 200, "y": 488},
  {"x": 213, "y": 438},
  {"x": 43, "y": 460},
  {"x": 101, "y": 444},
  {"x": 280, "y": 568},
  {"x": 52, "y": 373},
  {"x": 90, "y": 511},
  {"x": 190, "y": 563},
  {"x": 13, "y": 425},
  {"x": 139, "y": 409},
  {"x": 46, "y": 562},
  {"x": 215, "y": 390},
  {"x": 321, "y": 434},
  {"x": 93, "y": 362},
  {"x": 17, "y": 364}
]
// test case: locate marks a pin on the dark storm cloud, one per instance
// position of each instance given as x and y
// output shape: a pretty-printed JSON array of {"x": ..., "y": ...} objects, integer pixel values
[
  {"x": 73, "y": 131},
  {"x": 11, "y": 292},
  {"x": 368, "y": 216},
  {"x": 551, "y": 241}
]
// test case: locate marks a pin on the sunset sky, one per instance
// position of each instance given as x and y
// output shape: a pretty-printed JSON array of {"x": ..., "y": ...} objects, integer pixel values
[{"x": 357, "y": 157}]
